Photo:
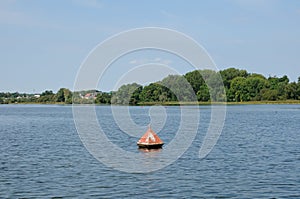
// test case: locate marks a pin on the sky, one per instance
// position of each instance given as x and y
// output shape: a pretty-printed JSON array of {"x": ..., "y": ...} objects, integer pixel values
[{"x": 44, "y": 43}]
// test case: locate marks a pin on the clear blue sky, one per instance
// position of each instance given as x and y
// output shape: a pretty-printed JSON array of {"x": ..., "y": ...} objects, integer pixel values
[{"x": 42, "y": 43}]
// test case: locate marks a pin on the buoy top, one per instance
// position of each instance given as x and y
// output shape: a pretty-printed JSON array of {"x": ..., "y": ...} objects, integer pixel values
[{"x": 150, "y": 138}]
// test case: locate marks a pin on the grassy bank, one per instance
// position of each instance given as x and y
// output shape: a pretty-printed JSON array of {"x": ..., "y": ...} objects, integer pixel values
[{"x": 220, "y": 103}]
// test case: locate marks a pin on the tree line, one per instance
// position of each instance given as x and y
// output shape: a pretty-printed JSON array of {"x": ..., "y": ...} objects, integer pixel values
[
  {"x": 63, "y": 96},
  {"x": 232, "y": 85}
]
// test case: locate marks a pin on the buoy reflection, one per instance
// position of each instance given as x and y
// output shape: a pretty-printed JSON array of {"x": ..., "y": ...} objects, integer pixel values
[{"x": 145, "y": 150}]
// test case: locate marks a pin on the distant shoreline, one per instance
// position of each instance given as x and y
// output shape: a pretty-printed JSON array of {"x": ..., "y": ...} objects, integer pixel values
[
  {"x": 234, "y": 85},
  {"x": 222, "y": 103},
  {"x": 177, "y": 103}
]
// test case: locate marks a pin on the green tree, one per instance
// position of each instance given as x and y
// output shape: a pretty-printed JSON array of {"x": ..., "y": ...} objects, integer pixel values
[
  {"x": 179, "y": 86},
  {"x": 155, "y": 92},
  {"x": 195, "y": 79},
  {"x": 254, "y": 85},
  {"x": 229, "y": 74},
  {"x": 151, "y": 93},
  {"x": 284, "y": 79},
  {"x": 269, "y": 94},
  {"x": 203, "y": 94},
  {"x": 68, "y": 96},
  {"x": 64, "y": 95},
  {"x": 46, "y": 97},
  {"x": 256, "y": 75},
  {"x": 279, "y": 84},
  {"x": 208, "y": 83},
  {"x": 298, "y": 88},
  {"x": 135, "y": 97},
  {"x": 247, "y": 89},
  {"x": 292, "y": 91},
  {"x": 215, "y": 85},
  {"x": 60, "y": 96},
  {"x": 103, "y": 98},
  {"x": 47, "y": 92},
  {"x": 127, "y": 94},
  {"x": 238, "y": 90},
  {"x": 281, "y": 88}
]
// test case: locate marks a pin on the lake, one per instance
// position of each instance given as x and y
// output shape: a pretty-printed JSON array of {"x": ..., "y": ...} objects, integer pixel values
[{"x": 256, "y": 156}]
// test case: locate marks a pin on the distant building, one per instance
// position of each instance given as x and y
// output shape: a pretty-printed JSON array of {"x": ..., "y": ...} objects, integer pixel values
[
  {"x": 90, "y": 96},
  {"x": 37, "y": 96}
]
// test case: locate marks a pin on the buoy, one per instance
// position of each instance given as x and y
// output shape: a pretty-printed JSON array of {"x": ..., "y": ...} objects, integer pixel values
[{"x": 150, "y": 140}]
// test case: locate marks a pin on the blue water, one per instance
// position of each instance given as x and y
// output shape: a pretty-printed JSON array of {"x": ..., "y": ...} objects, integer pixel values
[{"x": 256, "y": 156}]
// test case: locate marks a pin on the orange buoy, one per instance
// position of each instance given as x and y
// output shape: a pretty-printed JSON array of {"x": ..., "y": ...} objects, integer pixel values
[{"x": 150, "y": 140}]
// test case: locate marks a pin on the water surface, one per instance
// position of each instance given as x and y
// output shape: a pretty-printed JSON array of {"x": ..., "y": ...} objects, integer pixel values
[{"x": 257, "y": 156}]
